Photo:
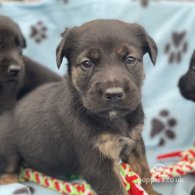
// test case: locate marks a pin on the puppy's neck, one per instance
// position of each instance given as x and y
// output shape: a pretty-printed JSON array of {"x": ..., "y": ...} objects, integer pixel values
[{"x": 8, "y": 94}]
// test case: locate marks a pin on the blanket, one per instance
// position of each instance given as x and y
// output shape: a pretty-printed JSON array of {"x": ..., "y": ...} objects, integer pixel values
[{"x": 169, "y": 118}]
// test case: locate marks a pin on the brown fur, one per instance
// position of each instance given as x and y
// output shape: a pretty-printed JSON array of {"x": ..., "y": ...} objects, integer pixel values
[
  {"x": 104, "y": 108},
  {"x": 19, "y": 75},
  {"x": 8, "y": 179}
]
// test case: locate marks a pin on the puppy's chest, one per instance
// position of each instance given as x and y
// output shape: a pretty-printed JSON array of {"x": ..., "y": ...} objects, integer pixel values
[
  {"x": 114, "y": 142},
  {"x": 120, "y": 127}
]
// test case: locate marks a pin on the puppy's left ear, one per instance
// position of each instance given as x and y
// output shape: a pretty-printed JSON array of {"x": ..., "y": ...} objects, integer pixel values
[
  {"x": 22, "y": 40},
  {"x": 63, "y": 48},
  {"x": 151, "y": 48}
]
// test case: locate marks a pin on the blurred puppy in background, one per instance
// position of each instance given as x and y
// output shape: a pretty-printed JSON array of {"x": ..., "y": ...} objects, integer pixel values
[
  {"x": 187, "y": 81},
  {"x": 18, "y": 74},
  {"x": 187, "y": 87},
  {"x": 192, "y": 191}
]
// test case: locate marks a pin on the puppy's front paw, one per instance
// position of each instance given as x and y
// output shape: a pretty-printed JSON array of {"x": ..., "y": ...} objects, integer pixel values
[
  {"x": 8, "y": 179},
  {"x": 112, "y": 145},
  {"x": 128, "y": 146}
]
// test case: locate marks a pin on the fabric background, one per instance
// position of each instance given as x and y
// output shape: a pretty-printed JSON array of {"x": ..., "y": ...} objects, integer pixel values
[{"x": 170, "y": 119}]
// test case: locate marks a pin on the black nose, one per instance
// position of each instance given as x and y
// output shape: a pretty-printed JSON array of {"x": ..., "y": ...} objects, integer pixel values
[
  {"x": 14, "y": 70},
  {"x": 114, "y": 94}
]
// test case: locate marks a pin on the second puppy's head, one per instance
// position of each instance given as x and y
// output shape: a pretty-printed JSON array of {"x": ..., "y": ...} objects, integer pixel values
[
  {"x": 187, "y": 81},
  {"x": 11, "y": 44},
  {"x": 105, "y": 64}
]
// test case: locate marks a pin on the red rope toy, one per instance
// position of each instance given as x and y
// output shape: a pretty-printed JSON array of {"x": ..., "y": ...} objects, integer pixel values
[{"x": 130, "y": 179}]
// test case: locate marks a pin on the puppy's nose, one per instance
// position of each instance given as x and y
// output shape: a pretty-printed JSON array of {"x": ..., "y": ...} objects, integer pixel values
[
  {"x": 114, "y": 94},
  {"x": 14, "y": 70}
]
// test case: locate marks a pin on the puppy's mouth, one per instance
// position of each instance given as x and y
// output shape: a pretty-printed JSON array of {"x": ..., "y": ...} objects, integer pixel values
[
  {"x": 114, "y": 112},
  {"x": 14, "y": 78}
]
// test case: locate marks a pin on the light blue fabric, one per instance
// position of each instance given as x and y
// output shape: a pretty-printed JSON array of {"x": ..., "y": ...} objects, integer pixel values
[
  {"x": 11, "y": 188},
  {"x": 160, "y": 92}
]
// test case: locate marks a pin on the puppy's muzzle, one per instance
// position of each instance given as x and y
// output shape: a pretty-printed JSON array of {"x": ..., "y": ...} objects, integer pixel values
[{"x": 14, "y": 70}]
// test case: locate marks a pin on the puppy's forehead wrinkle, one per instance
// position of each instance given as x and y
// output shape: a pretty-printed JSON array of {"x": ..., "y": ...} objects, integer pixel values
[
  {"x": 109, "y": 28},
  {"x": 109, "y": 43},
  {"x": 92, "y": 52}
]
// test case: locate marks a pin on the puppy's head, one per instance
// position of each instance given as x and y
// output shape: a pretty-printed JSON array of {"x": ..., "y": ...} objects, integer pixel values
[
  {"x": 187, "y": 81},
  {"x": 105, "y": 64},
  {"x": 11, "y": 44}
]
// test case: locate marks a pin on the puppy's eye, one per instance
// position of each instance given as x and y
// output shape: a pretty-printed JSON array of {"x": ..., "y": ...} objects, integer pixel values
[
  {"x": 130, "y": 60},
  {"x": 87, "y": 64}
]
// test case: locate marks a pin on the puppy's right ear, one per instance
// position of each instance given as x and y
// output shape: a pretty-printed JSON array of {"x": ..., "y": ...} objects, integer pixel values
[
  {"x": 23, "y": 42},
  {"x": 60, "y": 52},
  {"x": 192, "y": 61},
  {"x": 62, "y": 49}
]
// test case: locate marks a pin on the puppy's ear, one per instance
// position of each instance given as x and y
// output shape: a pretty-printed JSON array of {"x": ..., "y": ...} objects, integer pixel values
[
  {"x": 23, "y": 42},
  {"x": 192, "y": 61},
  {"x": 60, "y": 52},
  {"x": 151, "y": 48},
  {"x": 62, "y": 49}
]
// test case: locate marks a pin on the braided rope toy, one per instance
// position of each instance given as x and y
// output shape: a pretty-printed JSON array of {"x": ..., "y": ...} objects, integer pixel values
[
  {"x": 185, "y": 166},
  {"x": 131, "y": 180}
]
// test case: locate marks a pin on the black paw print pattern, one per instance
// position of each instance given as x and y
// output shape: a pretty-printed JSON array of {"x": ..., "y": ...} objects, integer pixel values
[
  {"x": 38, "y": 32},
  {"x": 63, "y": 1},
  {"x": 176, "y": 47},
  {"x": 163, "y": 126},
  {"x": 144, "y": 3}
]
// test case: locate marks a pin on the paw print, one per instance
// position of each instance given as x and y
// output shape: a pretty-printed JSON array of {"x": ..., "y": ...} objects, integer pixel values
[
  {"x": 176, "y": 47},
  {"x": 144, "y": 3},
  {"x": 38, "y": 32},
  {"x": 164, "y": 126},
  {"x": 63, "y": 1}
]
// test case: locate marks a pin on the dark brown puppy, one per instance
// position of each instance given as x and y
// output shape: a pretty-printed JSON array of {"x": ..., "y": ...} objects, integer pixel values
[
  {"x": 18, "y": 74},
  {"x": 192, "y": 191},
  {"x": 187, "y": 88},
  {"x": 87, "y": 122},
  {"x": 187, "y": 81}
]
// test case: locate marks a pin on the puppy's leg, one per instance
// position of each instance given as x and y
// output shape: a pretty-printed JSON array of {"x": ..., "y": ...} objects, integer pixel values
[
  {"x": 8, "y": 179},
  {"x": 112, "y": 145},
  {"x": 8, "y": 157},
  {"x": 192, "y": 191},
  {"x": 8, "y": 169},
  {"x": 139, "y": 164},
  {"x": 135, "y": 136},
  {"x": 103, "y": 175}
]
